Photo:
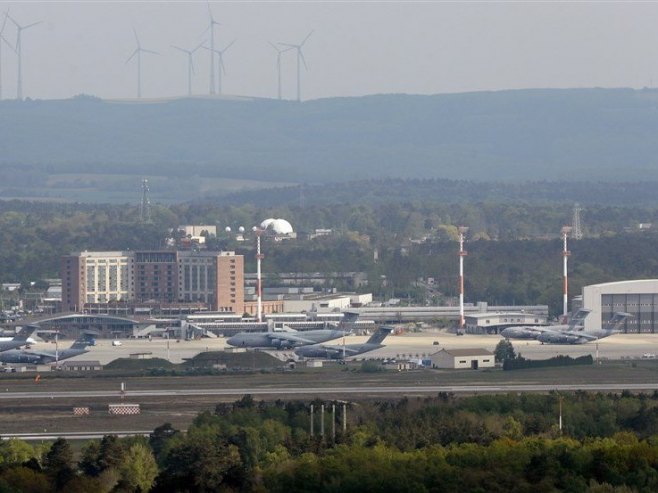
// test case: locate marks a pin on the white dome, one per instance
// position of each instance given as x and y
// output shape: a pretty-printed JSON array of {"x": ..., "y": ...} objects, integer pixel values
[
  {"x": 280, "y": 227},
  {"x": 266, "y": 223}
]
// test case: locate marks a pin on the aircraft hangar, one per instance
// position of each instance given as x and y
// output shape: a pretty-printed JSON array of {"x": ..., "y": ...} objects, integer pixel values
[{"x": 637, "y": 297}]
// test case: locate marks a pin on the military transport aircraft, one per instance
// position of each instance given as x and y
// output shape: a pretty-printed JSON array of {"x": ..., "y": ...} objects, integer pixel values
[
  {"x": 582, "y": 336},
  {"x": 45, "y": 357},
  {"x": 533, "y": 332},
  {"x": 283, "y": 339},
  {"x": 341, "y": 352},
  {"x": 22, "y": 338}
]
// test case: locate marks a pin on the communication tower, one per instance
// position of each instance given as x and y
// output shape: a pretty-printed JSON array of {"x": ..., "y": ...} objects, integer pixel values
[
  {"x": 577, "y": 231},
  {"x": 145, "y": 205}
]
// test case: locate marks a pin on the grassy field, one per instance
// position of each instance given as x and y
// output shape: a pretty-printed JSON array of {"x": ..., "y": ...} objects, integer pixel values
[{"x": 55, "y": 415}]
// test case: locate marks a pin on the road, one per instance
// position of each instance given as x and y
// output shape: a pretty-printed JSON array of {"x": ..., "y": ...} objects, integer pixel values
[{"x": 362, "y": 390}]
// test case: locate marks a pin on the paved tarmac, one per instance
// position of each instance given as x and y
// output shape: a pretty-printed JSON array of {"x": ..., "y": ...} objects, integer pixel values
[{"x": 422, "y": 344}]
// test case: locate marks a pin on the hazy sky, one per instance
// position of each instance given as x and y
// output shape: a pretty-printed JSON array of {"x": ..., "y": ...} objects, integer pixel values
[{"x": 357, "y": 48}]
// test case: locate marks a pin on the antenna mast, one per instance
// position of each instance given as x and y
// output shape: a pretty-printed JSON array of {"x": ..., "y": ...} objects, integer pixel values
[
  {"x": 577, "y": 231},
  {"x": 145, "y": 206},
  {"x": 462, "y": 254},
  {"x": 565, "y": 255}
]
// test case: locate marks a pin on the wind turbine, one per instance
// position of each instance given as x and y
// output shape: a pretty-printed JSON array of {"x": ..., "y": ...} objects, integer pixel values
[
  {"x": 138, "y": 51},
  {"x": 221, "y": 70},
  {"x": 2, "y": 38},
  {"x": 211, "y": 28},
  {"x": 18, "y": 49},
  {"x": 300, "y": 60},
  {"x": 190, "y": 65},
  {"x": 279, "y": 52}
]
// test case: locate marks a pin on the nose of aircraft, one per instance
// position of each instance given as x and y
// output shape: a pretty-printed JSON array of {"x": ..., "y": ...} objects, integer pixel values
[{"x": 231, "y": 341}]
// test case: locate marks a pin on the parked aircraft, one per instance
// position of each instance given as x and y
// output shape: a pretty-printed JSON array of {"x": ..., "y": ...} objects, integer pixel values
[
  {"x": 45, "y": 357},
  {"x": 533, "y": 332},
  {"x": 581, "y": 336},
  {"x": 285, "y": 338},
  {"x": 341, "y": 352},
  {"x": 21, "y": 339}
]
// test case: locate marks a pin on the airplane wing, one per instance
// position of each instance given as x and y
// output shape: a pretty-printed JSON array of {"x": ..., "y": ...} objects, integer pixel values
[
  {"x": 581, "y": 334},
  {"x": 39, "y": 353},
  {"x": 290, "y": 337},
  {"x": 338, "y": 349}
]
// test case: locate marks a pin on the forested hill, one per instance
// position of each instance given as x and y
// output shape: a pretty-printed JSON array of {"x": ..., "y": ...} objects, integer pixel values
[{"x": 571, "y": 134}]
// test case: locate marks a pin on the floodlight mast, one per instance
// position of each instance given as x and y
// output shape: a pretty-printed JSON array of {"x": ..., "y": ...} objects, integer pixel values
[
  {"x": 19, "y": 53},
  {"x": 300, "y": 60}
]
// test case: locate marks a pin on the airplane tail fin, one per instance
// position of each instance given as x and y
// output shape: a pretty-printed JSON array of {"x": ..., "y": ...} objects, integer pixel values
[
  {"x": 84, "y": 341},
  {"x": 25, "y": 332},
  {"x": 616, "y": 321},
  {"x": 379, "y": 335},
  {"x": 578, "y": 318}
]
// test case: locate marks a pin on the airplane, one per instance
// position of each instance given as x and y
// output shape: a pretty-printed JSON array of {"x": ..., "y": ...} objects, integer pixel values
[
  {"x": 22, "y": 338},
  {"x": 44, "y": 357},
  {"x": 341, "y": 352},
  {"x": 282, "y": 339},
  {"x": 531, "y": 332},
  {"x": 581, "y": 337}
]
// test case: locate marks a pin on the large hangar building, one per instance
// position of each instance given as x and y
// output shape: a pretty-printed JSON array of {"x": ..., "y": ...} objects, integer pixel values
[{"x": 637, "y": 297}]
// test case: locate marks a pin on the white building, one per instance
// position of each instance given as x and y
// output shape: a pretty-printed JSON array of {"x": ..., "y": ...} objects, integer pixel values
[
  {"x": 457, "y": 359},
  {"x": 637, "y": 297}
]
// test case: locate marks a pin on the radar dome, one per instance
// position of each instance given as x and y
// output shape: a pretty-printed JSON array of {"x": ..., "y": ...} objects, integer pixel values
[
  {"x": 227, "y": 229},
  {"x": 280, "y": 227},
  {"x": 266, "y": 223}
]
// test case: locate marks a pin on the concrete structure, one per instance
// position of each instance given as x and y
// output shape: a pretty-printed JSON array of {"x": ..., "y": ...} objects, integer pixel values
[
  {"x": 214, "y": 279},
  {"x": 495, "y": 322},
  {"x": 637, "y": 297},
  {"x": 80, "y": 366},
  {"x": 468, "y": 358},
  {"x": 197, "y": 233}
]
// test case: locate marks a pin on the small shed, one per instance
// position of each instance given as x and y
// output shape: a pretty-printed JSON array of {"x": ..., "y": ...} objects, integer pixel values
[{"x": 467, "y": 358}]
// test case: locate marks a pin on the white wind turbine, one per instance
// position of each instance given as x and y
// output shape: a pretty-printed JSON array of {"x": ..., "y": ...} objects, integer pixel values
[
  {"x": 300, "y": 60},
  {"x": 19, "y": 53},
  {"x": 211, "y": 28},
  {"x": 2, "y": 38},
  {"x": 279, "y": 52},
  {"x": 190, "y": 65},
  {"x": 138, "y": 51},
  {"x": 221, "y": 69}
]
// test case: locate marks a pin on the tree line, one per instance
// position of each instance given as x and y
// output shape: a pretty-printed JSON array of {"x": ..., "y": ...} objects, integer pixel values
[{"x": 609, "y": 443}]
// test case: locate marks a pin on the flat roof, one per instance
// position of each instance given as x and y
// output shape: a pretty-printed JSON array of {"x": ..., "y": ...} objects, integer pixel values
[{"x": 467, "y": 352}]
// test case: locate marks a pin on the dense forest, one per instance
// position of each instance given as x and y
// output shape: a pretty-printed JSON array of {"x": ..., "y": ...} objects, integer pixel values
[
  {"x": 54, "y": 148},
  {"x": 487, "y": 443},
  {"x": 412, "y": 241}
]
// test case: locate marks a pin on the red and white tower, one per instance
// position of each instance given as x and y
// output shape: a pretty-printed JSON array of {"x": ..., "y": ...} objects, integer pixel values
[
  {"x": 259, "y": 284},
  {"x": 462, "y": 254},
  {"x": 565, "y": 255}
]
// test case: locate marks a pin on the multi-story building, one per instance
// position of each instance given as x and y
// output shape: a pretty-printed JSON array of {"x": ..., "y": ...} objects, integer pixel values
[{"x": 215, "y": 279}]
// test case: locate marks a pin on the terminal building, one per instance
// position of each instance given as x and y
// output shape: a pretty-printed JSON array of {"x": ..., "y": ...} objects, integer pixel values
[
  {"x": 637, "y": 297},
  {"x": 211, "y": 279}
]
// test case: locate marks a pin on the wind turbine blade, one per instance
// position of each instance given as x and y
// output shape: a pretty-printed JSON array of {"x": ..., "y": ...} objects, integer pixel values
[
  {"x": 131, "y": 56},
  {"x": 13, "y": 48},
  {"x": 13, "y": 20},
  {"x": 199, "y": 46},
  {"x": 301, "y": 55},
  {"x": 4, "y": 23},
  {"x": 221, "y": 64},
  {"x": 274, "y": 46},
  {"x": 291, "y": 46},
  {"x": 229, "y": 45},
  {"x": 306, "y": 38},
  {"x": 192, "y": 65},
  {"x": 179, "y": 48},
  {"x": 150, "y": 51},
  {"x": 31, "y": 25},
  {"x": 136, "y": 38}
]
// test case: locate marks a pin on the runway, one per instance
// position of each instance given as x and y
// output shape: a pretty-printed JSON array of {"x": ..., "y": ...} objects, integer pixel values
[{"x": 407, "y": 390}]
